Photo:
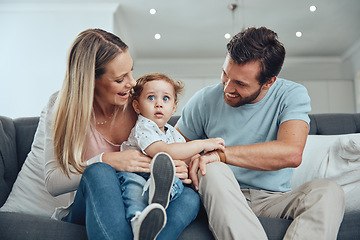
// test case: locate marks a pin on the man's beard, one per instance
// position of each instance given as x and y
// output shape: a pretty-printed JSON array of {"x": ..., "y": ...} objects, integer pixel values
[{"x": 242, "y": 100}]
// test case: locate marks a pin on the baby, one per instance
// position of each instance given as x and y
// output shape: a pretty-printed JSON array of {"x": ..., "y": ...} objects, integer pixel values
[{"x": 155, "y": 101}]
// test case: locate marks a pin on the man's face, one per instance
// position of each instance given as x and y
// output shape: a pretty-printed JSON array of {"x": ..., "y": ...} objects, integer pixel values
[{"x": 240, "y": 83}]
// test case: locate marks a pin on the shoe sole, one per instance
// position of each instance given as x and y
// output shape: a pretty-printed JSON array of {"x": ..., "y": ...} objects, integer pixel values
[
  {"x": 163, "y": 173},
  {"x": 152, "y": 224}
]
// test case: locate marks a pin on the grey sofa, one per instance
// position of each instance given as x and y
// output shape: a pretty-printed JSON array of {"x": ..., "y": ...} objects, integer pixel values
[{"x": 16, "y": 136}]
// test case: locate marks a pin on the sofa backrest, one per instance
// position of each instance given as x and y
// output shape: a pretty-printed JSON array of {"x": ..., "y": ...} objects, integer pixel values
[
  {"x": 334, "y": 123},
  {"x": 8, "y": 157},
  {"x": 25, "y": 131},
  {"x": 16, "y": 137}
]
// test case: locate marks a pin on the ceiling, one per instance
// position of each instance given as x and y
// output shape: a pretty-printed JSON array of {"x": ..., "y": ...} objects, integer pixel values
[{"x": 196, "y": 28}]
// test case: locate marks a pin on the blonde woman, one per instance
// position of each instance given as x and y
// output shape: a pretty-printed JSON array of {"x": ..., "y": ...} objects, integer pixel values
[{"x": 86, "y": 122}]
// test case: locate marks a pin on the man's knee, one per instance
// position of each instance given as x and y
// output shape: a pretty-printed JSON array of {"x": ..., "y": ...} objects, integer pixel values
[
  {"x": 218, "y": 177},
  {"x": 327, "y": 190}
]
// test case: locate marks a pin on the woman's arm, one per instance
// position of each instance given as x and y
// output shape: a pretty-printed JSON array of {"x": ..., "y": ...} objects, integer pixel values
[{"x": 56, "y": 181}]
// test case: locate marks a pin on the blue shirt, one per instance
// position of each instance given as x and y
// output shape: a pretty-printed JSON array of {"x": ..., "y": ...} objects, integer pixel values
[{"x": 207, "y": 115}]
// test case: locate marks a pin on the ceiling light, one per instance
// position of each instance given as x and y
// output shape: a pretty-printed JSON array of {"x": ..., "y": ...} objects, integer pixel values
[
  {"x": 227, "y": 35},
  {"x": 157, "y": 36},
  {"x": 152, "y": 11},
  {"x": 298, "y": 34},
  {"x": 312, "y": 8}
]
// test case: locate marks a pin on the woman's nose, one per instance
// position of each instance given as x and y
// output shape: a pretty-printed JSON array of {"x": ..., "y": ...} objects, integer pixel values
[{"x": 131, "y": 82}]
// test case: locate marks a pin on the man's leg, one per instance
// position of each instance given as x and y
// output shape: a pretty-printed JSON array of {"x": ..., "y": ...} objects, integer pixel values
[
  {"x": 230, "y": 217},
  {"x": 317, "y": 209}
]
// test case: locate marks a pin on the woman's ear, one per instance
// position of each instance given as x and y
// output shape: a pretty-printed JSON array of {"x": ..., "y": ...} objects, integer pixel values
[{"x": 135, "y": 104}]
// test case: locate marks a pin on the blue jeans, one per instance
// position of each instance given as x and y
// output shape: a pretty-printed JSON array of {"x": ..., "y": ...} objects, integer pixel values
[
  {"x": 99, "y": 205},
  {"x": 132, "y": 185}
]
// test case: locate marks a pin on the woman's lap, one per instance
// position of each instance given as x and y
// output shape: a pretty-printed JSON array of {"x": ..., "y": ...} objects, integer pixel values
[{"x": 99, "y": 203}]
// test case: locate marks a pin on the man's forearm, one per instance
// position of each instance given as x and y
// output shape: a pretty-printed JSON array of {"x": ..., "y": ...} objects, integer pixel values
[
  {"x": 284, "y": 152},
  {"x": 269, "y": 156}
]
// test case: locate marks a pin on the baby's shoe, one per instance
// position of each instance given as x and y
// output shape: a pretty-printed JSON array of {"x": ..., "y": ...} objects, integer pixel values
[
  {"x": 162, "y": 174},
  {"x": 147, "y": 225}
]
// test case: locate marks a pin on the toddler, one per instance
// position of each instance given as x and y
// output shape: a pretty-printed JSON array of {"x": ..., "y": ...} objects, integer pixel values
[{"x": 155, "y": 101}]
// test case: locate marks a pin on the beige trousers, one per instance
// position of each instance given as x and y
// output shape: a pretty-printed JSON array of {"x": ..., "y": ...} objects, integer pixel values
[{"x": 317, "y": 207}]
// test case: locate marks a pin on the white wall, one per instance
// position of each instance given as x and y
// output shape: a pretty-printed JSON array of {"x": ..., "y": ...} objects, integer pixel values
[
  {"x": 329, "y": 81},
  {"x": 352, "y": 58},
  {"x": 36, "y": 38}
]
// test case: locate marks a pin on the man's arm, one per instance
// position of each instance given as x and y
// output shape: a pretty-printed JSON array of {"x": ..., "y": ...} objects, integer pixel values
[{"x": 286, "y": 151}]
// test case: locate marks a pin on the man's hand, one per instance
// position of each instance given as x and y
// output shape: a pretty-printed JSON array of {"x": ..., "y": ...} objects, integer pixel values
[{"x": 199, "y": 162}]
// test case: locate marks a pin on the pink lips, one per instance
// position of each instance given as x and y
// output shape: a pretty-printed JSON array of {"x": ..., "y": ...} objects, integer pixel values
[
  {"x": 124, "y": 95},
  {"x": 159, "y": 114}
]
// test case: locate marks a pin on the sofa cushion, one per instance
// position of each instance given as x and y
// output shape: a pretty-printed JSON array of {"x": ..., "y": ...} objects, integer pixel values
[
  {"x": 334, "y": 157},
  {"x": 29, "y": 227},
  {"x": 8, "y": 157}
]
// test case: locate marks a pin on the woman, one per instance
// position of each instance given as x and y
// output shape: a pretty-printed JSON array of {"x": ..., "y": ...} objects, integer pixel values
[{"x": 85, "y": 124}]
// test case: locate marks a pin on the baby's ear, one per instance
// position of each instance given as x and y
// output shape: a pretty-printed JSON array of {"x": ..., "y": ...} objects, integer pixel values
[
  {"x": 174, "y": 108},
  {"x": 135, "y": 104}
]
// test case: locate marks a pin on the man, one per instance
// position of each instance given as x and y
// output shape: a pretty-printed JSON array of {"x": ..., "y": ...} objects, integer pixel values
[{"x": 264, "y": 122}]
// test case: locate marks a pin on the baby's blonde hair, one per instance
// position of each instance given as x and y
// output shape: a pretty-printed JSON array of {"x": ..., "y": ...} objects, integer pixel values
[{"x": 140, "y": 82}]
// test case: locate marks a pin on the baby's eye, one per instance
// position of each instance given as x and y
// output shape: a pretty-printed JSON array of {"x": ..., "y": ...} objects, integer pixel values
[
  {"x": 166, "y": 98},
  {"x": 151, "y": 97}
]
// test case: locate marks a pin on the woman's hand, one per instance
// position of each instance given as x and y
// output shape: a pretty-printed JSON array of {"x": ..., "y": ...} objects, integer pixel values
[
  {"x": 182, "y": 171},
  {"x": 127, "y": 161}
]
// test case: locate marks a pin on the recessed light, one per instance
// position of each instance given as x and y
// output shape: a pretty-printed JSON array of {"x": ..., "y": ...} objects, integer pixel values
[
  {"x": 312, "y": 8},
  {"x": 152, "y": 11},
  {"x": 157, "y": 36},
  {"x": 298, "y": 34},
  {"x": 227, "y": 35}
]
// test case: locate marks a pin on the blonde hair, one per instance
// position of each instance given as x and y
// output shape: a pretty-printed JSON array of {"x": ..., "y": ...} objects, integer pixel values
[
  {"x": 88, "y": 56},
  {"x": 140, "y": 82}
]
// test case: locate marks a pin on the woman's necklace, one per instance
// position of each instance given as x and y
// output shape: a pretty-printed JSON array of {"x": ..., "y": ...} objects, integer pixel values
[{"x": 104, "y": 122}]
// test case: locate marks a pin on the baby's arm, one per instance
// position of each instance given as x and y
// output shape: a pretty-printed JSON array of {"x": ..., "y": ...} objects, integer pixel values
[{"x": 184, "y": 151}]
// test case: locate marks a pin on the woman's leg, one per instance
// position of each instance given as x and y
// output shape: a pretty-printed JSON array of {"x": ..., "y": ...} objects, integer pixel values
[
  {"x": 99, "y": 204},
  {"x": 180, "y": 213}
]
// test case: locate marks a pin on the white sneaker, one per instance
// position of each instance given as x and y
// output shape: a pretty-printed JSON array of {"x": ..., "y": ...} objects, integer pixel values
[
  {"x": 147, "y": 225},
  {"x": 162, "y": 174}
]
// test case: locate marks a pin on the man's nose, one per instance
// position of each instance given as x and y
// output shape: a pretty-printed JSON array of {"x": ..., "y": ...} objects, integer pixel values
[{"x": 228, "y": 86}]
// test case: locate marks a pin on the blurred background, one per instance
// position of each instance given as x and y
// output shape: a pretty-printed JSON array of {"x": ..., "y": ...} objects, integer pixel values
[{"x": 184, "y": 39}]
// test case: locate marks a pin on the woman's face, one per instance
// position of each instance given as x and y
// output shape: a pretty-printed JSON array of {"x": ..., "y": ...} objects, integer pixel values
[{"x": 113, "y": 87}]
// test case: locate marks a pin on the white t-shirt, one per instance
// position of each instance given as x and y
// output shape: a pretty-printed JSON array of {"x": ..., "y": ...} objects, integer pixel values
[{"x": 145, "y": 132}]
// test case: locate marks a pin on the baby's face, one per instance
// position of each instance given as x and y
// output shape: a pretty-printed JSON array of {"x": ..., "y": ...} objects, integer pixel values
[{"x": 157, "y": 102}]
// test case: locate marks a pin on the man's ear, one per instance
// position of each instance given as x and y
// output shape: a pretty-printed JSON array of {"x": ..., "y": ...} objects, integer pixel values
[
  {"x": 135, "y": 104},
  {"x": 269, "y": 83}
]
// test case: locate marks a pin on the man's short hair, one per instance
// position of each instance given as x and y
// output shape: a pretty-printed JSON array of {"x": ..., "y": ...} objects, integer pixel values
[{"x": 258, "y": 44}]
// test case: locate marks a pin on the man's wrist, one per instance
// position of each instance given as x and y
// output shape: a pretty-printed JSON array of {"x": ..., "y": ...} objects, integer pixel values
[{"x": 222, "y": 155}]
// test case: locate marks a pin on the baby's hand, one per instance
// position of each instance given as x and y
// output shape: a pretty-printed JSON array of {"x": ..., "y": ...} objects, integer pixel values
[{"x": 213, "y": 144}]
